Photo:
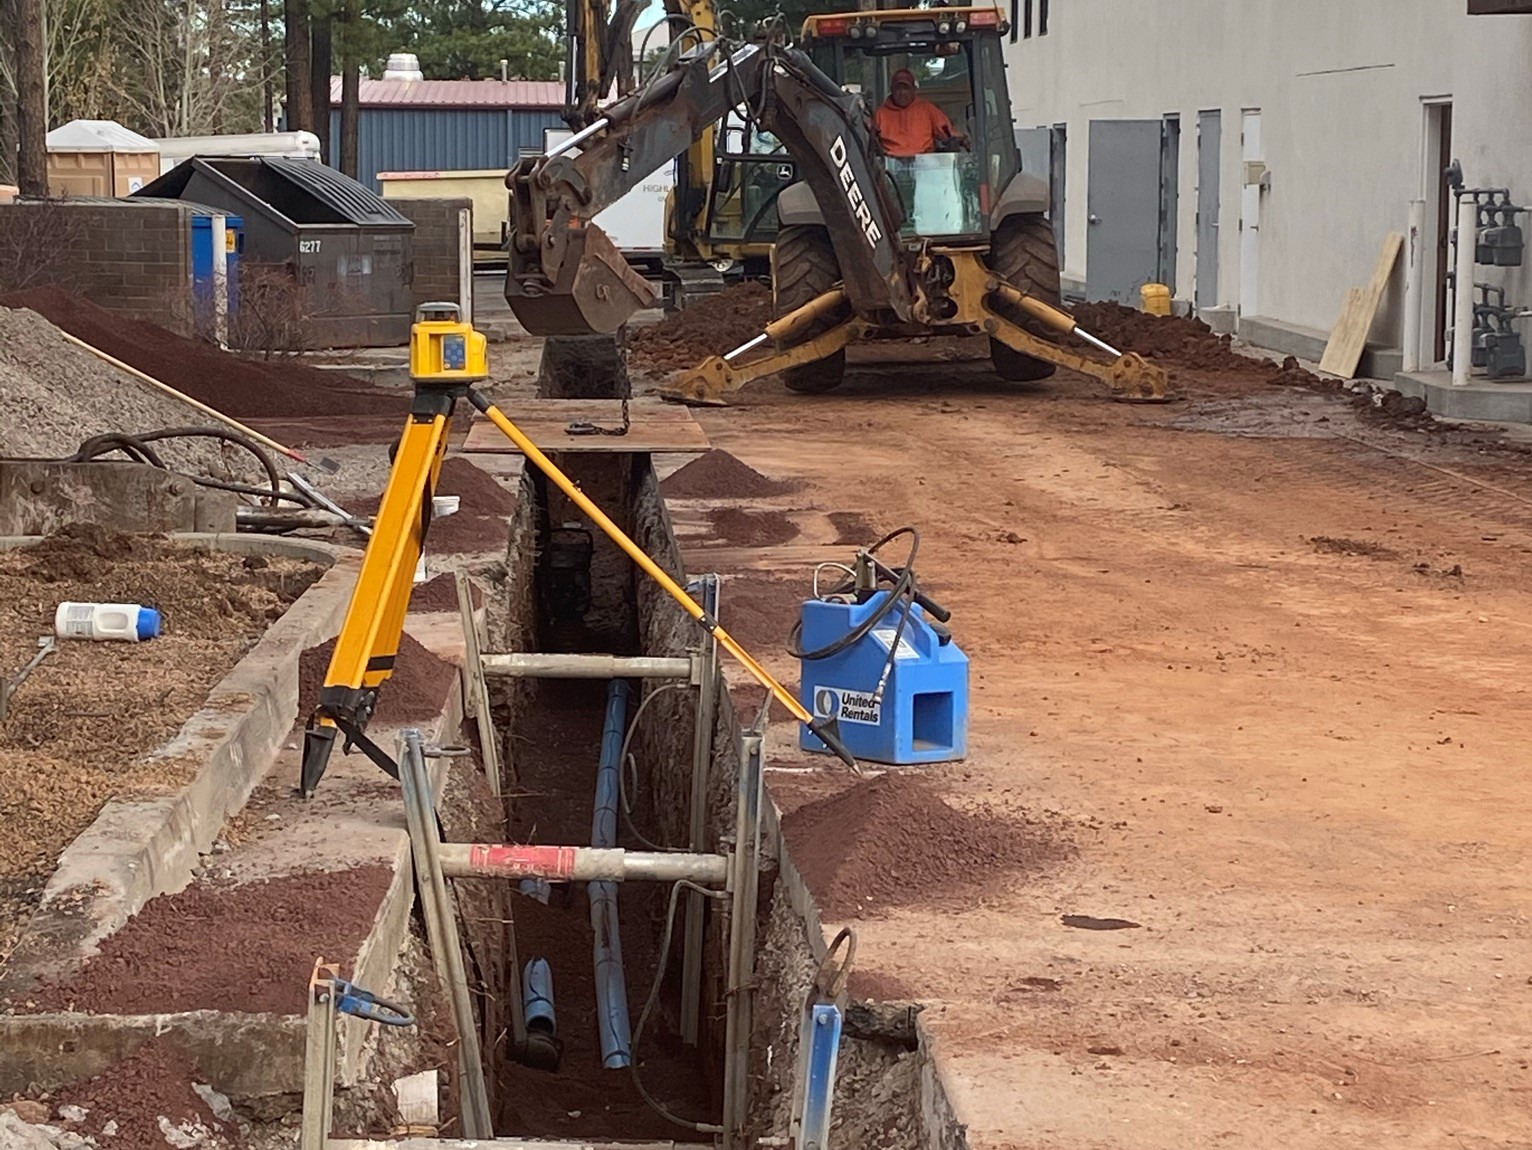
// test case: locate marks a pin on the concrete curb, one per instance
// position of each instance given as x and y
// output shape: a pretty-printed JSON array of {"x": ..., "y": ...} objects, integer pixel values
[
  {"x": 1480, "y": 400},
  {"x": 241, "y": 1055},
  {"x": 139, "y": 848}
]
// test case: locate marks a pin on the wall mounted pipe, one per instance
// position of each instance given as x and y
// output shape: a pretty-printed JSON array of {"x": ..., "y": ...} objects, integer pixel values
[
  {"x": 1463, "y": 292},
  {"x": 611, "y": 983}
]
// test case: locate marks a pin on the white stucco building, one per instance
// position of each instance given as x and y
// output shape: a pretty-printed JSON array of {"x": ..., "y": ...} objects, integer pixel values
[{"x": 1254, "y": 155}]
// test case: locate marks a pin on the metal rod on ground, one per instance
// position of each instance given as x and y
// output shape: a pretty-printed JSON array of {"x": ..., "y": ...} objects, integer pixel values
[
  {"x": 535, "y": 665},
  {"x": 441, "y": 930},
  {"x": 745, "y": 888},
  {"x": 611, "y": 982},
  {"x": 1462, "y": 287},
  {"x": 285, "y": 519},
  {"x": 825, "y": 728},
  {"x": 580, "y": 864},
  {"x": 184, "y": 398},
  {"x": 329, "y": 504},
  {"x": 702, "y": 762}
]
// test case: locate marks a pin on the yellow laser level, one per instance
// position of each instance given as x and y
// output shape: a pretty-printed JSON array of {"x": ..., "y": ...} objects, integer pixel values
[
  {"x": 446, "y": 357},
  {"x": 444, "y": 348}
]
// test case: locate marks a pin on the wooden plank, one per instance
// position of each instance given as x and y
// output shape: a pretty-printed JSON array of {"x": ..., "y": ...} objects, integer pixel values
[
  {"x": 653, "y": 426},
  {"x": 1349, "y": 337}
]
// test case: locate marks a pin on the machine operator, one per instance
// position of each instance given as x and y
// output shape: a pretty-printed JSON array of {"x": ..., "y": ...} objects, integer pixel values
[{"x": 908, "y": 123}]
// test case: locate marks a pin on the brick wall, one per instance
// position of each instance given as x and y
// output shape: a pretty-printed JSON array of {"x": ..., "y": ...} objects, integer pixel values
[
  {"x": 130, "y": 258},
  {"x": 436, "y": 245}
]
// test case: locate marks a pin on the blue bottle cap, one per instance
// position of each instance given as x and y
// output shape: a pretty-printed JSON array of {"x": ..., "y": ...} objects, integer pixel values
[{"x": 148, "y": 623}]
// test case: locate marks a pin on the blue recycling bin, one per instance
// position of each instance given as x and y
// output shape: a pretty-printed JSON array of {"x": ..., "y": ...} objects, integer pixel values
[
  {"x": 921, "y": 715},
  {"x": 203, "y": 282}
]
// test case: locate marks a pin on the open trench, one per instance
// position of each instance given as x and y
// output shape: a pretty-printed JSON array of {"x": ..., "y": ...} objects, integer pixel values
[{"x": 550, "y": 730}]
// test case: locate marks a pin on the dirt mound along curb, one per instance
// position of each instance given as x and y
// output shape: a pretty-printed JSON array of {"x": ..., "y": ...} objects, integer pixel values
[
  {"x": 243, "y": 388},
  {"x": 247, "y": 949}
]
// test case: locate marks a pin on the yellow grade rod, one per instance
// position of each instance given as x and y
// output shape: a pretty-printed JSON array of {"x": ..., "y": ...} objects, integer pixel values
[{"x": 824, "y": 729}]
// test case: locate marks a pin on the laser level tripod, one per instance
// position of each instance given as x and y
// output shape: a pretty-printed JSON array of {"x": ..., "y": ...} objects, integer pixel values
[{"x": 447, "y": 357}]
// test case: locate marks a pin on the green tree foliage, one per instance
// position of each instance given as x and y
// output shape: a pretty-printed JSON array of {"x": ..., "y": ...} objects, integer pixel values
[{"x": 467, "y": 39}]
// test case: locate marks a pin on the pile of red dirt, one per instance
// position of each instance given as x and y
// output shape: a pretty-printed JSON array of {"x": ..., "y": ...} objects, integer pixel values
[
  {"x": 1183, "y": 343},
  {"x": 892, "y": 841},
  {"x": 137, "y": 1093},
  {"x": 414, "y": 693},
  {"x": 752, "y": 528},
  {"x": 711, "y": 326},
  {"x": 247, "y": 948},
  {"x": 477, "y": 525},
  {"x": 243, "y": 388},
  {"x": 718, "y": 475}
]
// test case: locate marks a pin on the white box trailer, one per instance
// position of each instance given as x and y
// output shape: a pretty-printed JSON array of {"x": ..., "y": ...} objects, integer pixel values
[{"x": 636, "y": 222}]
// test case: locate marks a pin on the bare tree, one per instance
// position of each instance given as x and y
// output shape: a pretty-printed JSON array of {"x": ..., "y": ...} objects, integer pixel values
[
  {"x": 351, "y": 87},
  {"x": 9, "y": 136},
  {"x": 31, "y": 98},
  {"x": 300, "y": 104},
  {"x": 268, "y": 97}
]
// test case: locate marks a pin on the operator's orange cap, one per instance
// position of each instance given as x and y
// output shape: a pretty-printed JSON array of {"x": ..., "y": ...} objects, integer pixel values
[{"x": 903, "y": 76}]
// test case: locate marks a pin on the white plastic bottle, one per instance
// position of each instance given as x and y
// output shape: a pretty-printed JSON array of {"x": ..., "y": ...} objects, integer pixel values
[{"x": 127, "y": 621}]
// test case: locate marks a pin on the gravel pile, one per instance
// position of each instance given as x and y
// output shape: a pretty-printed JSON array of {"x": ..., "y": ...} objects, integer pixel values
[{"x": 55, "y": 395}]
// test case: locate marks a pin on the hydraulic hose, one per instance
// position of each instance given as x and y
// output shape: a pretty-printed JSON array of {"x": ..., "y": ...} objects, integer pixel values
[{"x": 904, "y": 590}]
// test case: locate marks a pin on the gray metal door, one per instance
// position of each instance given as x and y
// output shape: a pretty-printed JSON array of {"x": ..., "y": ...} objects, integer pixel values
[
  {"x": 1122, "y": 247},
  {"x": 1170, "y": 198},
  {"x": 1209, "y": 154}
]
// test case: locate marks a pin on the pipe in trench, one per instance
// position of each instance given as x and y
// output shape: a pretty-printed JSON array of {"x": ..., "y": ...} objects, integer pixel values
[{"x": 611, "y": 983}]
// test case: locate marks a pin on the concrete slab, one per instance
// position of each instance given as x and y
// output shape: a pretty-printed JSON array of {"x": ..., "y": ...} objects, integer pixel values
[
  {"x": 1480, "y": 400},
  {"x": 1378, "y": 362}
]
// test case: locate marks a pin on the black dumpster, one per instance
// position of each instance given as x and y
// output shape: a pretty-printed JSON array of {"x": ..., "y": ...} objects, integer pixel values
[{"x": 350, "y": 254}]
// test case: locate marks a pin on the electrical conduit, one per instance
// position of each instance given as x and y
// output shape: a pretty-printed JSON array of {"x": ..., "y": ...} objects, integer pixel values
[{"x": 611, "y": 982}]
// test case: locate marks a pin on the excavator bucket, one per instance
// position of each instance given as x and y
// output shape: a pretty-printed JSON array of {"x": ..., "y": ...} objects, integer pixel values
[{"x": 594, "y": 293}]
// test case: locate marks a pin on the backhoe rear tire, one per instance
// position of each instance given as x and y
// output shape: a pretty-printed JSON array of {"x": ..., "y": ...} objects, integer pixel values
[
  {"x": 1024, "y": 252},
  {"x": 804, "y": 267}
]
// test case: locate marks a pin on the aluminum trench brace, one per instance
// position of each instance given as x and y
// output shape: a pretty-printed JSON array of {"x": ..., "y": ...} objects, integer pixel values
[
  {"x": 331, "y": 995},
  {"x": 819, "y": 1045}
]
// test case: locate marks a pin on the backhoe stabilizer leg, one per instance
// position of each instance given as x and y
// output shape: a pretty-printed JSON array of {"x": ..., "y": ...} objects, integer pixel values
[
  {"x": 716, "y": 376},
  {"x": 1130, "y": 377}
]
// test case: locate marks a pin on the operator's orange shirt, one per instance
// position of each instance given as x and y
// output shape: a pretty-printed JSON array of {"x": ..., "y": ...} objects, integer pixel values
[{"x": 913, "y": 130}]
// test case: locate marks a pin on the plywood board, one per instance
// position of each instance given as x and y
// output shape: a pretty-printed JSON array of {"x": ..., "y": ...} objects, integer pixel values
[
  {"x": 1349, "y": 337},
  {"x": 653, "y": 426}
]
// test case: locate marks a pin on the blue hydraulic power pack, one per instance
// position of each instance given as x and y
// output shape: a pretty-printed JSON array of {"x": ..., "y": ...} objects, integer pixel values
[{"x": 922, "y": 714}]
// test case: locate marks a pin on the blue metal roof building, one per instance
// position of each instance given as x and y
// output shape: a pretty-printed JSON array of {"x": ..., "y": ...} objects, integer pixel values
[{"x": 447, "y": 125}]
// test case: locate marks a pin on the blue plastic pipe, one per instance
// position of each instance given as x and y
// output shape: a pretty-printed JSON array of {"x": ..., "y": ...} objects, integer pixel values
[
  {"x": 611, "y": 982},
  {"x": 537, "y": 996}
]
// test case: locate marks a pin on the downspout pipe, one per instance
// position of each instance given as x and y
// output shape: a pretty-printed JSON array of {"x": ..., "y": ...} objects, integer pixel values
[{"x": 611, "y": 982}]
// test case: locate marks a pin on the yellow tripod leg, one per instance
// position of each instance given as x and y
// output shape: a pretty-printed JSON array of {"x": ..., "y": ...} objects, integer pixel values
[
  {"x": 827, "y": 728},
  {"x": 369, "y": 638}
]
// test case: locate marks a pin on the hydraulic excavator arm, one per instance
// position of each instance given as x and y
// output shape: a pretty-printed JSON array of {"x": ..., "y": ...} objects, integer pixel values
[{"x": 567, "y": 278}]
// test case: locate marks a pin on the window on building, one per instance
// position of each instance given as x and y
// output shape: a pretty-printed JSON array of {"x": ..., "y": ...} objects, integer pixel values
[
  {"x": 1015, "y": 20},
  {"x": 1026, "y": 19},
  {"x": 1042, "y": 17}
]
